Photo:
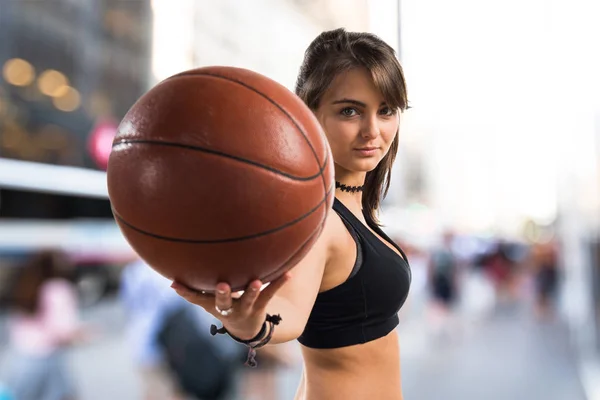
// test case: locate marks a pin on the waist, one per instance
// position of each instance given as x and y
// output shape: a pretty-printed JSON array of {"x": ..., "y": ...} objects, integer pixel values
[{"x": 365, "y": 371}]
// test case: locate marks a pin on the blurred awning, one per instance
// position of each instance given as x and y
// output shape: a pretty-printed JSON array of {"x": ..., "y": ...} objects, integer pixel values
[
  {"x": 39, "y": 177},
  {"x": 82, "y": 240}
]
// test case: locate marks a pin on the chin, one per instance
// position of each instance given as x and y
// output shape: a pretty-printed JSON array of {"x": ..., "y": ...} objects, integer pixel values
[{"x": 364, "y": 165}]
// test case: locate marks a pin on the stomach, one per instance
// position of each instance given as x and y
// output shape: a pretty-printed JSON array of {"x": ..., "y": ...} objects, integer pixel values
[{"x": 365, "y": 371}]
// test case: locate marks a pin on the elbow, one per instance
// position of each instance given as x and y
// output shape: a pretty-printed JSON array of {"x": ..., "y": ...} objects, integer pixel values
[{"x": 286, "y": 333}]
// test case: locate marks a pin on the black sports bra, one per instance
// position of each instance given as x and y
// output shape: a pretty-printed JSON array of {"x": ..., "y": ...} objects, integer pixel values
[{"x": 364, "y": 307}]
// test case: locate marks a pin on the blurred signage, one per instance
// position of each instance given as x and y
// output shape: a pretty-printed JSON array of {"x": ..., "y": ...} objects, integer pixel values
[{"x": 100, "y": 142}]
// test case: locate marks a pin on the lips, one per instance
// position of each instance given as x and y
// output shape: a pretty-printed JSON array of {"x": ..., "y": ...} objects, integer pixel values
[{"x": 367, "y": 151}]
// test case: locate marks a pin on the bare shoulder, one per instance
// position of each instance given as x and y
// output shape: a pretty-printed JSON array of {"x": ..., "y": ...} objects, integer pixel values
[
  {"x": 328, "y": 240},
  {"x": 334, "y": 236},
  {"x": 340, "y": 252}
]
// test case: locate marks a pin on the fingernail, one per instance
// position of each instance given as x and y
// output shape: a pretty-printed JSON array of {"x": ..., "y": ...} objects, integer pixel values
[
  {"x": 179, "y": 288},
  {"x": 221, "y": 291}
]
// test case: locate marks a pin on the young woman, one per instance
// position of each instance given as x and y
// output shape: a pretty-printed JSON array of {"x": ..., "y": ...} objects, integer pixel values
[{"x": 342, "y": 300}]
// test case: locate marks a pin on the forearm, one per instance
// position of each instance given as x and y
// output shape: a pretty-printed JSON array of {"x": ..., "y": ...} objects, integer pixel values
[{"x": 290, "y": 326}]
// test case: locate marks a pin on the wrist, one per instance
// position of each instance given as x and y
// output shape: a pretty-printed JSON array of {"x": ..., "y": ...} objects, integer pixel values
[
  {"x": 246, "y": 336},
  {"x": 259, "y": 340}
]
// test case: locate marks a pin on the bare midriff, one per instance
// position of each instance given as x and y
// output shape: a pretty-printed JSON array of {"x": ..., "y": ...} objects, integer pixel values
[{"x": 365, "y": 371}]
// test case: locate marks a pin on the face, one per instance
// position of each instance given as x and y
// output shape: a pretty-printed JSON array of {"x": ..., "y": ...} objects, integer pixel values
[{"x": 359, "y": 125}]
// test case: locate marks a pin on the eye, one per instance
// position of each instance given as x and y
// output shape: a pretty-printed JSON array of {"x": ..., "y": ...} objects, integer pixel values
[
  {"x": 387, "y": 111},
  {"x": 348, "y": 112}
]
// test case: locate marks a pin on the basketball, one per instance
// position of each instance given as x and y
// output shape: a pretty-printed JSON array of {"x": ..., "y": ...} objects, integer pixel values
[{"x": 220, "y": 174}]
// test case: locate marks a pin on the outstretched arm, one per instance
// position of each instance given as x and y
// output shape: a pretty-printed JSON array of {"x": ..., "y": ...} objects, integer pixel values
[{"x": 292, "y": 297}]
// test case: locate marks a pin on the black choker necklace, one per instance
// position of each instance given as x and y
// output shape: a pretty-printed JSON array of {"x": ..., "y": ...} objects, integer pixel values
[{"x": 349, "y": 189}]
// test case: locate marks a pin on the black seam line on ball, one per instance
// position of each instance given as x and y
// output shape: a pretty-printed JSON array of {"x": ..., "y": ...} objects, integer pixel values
[
  {"x": 284, "y": 266},
  {"x": 269, "y": 100},
  {"x": 228, "y": 240},
  {"x": 218, "y": 153}
]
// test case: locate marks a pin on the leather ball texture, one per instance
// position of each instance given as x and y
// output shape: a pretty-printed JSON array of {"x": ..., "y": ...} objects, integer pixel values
[{"x": 220, "y": 174}]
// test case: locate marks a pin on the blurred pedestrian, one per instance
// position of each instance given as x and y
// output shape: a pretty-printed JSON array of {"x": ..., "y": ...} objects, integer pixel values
[
  {"x": 175, "y": 355},
  {"x": 443, "y": 275},
  {"x": 546, "y": 274},
  {"x": 42, "y": 325},
  {"x": 502, "y": 268}
]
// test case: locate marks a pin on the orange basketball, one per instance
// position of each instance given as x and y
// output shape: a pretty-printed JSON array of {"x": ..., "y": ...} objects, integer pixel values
[{"x": 220, "y": 174}]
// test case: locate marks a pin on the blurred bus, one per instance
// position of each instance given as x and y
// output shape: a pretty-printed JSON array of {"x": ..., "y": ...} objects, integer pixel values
[{"x": 60, "y": 207}]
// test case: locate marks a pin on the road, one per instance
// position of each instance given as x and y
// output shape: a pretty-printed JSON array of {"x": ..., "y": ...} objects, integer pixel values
[{"x": 505, "y": 355}]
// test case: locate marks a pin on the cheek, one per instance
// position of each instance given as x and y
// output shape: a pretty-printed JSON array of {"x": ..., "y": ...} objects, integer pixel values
[
  {"x": 389, "y": 132},
  {"x": 339, "y": 134}
]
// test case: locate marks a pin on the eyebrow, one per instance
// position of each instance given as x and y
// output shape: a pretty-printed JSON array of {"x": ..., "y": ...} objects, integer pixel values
[{"x": 355, "y": 102}]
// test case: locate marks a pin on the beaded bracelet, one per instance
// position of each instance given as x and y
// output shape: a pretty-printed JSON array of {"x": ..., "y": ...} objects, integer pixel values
[{"x": 261, "y": 339}]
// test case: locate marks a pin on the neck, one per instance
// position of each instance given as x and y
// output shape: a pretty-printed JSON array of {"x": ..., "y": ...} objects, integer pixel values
[
  {"x": 351, "y": 181},
  {"x": 348, "y": 188},
  {"x": 349, "y": 178}
]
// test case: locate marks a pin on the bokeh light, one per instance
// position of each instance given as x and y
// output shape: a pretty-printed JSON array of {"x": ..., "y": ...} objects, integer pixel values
[
  {"x": 69, "y": 101},
  {"x": 18, "y": 72},
  {"x": 53, "y": 83}
]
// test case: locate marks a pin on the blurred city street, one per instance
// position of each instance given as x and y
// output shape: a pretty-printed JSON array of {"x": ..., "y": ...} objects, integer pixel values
[
  {"x": 504, "y": 355},
  {"x": 494, "y": 193},
  {"x": 507, "y": 357}
]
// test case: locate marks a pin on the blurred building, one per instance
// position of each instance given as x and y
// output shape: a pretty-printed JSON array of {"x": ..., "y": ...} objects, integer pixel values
[
  {"x": 65, "y": 65},
  {"x": 506, "y": 123},
  {"x": 69, "y": 68},
  {"x": 579, "y": 179},
  {"x": 267, "y": 36}
]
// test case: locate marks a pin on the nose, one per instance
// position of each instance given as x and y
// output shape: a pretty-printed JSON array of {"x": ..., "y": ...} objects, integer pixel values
[{"x": 370, "y": 127}]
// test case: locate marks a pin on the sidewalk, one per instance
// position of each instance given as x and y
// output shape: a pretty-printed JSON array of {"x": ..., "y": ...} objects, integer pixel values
[
  {"x": 590, "y": 378},
  {"x": 505, "y": 356}
]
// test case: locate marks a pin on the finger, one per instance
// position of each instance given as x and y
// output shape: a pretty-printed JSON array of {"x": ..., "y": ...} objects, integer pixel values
[
  {"x": 250, "y": 295},
  {"x": 223, "y": 297},
  {"x": 193, "y": 296},
  {"x": 267, "y": 293}
]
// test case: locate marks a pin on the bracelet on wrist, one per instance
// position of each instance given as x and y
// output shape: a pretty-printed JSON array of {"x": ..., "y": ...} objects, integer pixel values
[{"x": 261, "y": 339}]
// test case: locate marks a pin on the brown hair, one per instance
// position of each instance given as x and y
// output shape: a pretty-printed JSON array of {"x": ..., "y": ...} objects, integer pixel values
[
  {"x": 336, "y": 51},
  {"x": 30, "y": 276}
]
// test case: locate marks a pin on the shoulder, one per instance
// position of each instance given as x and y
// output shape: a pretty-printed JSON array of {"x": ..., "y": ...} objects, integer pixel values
[{"x": 334, "y": 237}]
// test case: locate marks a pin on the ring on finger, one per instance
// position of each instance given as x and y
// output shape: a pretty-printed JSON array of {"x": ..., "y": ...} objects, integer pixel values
[{"x": 226, "y": 312}]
